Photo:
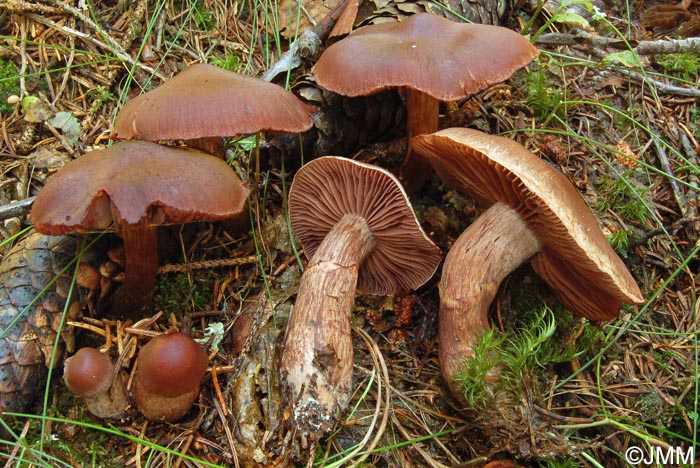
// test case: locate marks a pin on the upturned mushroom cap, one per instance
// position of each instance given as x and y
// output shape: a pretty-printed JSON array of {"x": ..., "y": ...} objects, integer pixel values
[
  {"x": 442, "y": 58},
  {"x": 330, "y": 187},
  {"x": 576, "y": 259},
  {"x": 206, "y": 101},
  {"x": 137, "y": 183},
  {"x": 88, "y": 372}
]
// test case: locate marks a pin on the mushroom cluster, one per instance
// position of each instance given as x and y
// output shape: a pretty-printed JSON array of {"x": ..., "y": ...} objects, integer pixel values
[
  {"x": 354, "y": 220},
  {"x": 166, "y": 381},
  {"x": 135, "y": 186}
]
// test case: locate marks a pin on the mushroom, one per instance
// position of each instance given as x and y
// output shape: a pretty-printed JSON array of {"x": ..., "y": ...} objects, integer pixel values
[
  {"x": 169, "y": 371},
  {"x": 357, "y": 227},
  {"x": 135, "y": 187},
  {"x": 91, "y": 375},
  {"x": 534, "y": 214},
  {"x": 433, "y": 59},
  {"x": 204, "y": 104}
]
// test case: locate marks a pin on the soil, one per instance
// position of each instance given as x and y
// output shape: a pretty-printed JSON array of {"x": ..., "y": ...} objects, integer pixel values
[{"x": 625, "y": 137}]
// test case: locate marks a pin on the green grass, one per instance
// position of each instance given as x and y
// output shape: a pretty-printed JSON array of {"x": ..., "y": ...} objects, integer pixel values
[
  {"x": 625, "y": 194},
  {"x": 568, "y": 463},
  {"x": 32, "y": 455}
]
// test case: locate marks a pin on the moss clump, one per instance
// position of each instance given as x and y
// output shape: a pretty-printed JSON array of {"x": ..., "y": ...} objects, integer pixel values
[
  {"x": 9, "y": 85},
  {"x": 178, "y": 292},
  {"x": 685, "y": 65},
  {"x": 624, "y": 195},
  {"x": 515, "y": 359},
  {"x": 545, "y": 97}
]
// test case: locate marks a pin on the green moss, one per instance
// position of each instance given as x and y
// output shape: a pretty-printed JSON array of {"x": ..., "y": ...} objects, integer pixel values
[
  {"x": 175, "y": 293},
  {"x": 100, "y": 96},
  {"x": 542, "y": 95},
  {"x": 619, "y": 241},
  {"x": 695, "y": 120},
  {"x": 623, "y": 195},
  {"x": 566, "y": 463},
  {"x": 684, "y": 65},
  {"x": 230, "y": 62},
  {"x": 9, "y": 85},
  {"x": 653, "y": 409},
  {"x": 204, "y": 19},
  {"x": 503, "y": 364}
]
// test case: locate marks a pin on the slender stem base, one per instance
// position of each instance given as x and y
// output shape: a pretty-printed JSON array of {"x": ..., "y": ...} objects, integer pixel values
[
  {"x": 486, "y": 252},
  {"x": 423, "y": 113},
  {"x": 141, "y": 267},
  {"x": 316, "y": 363}
]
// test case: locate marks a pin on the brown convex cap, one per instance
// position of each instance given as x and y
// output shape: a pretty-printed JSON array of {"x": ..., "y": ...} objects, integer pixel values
[
  {"x": 442, "y": 58},
  {"x": 330, "y": 187},
  {"x": 576, "y": 260},
  {"x": 137, "y": 183},
  {"x": 206, "y": 101},
  {"x": 88, "y": 372},
  {"x": 171, "y": 365}
]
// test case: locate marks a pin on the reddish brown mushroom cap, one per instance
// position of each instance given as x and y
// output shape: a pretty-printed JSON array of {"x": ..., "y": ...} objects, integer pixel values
[
  {"x": 442, "y": 58},
  {"x": 137, "y": 186},
  {"x": 206, "y": 101},
  {"x": 328, "y": 188},
  {"x": 169, "y": 372},
  {"x": 88, "y": 372},
  {"x": 91, "y": 375},
  {"x": 576, "y": 259},
  {"x": 137, "y": 183},
  {"x": 171, "y": 365},
  {"x": 433, "y": 59}
]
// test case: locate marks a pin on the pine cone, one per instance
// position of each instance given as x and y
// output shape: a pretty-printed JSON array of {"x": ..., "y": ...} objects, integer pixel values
[{"x": 30, "y": 319}]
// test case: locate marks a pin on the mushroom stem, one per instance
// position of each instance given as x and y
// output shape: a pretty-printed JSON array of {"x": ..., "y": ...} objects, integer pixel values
[
  {"x": 423, "y": 112},
  {"x": 210, "y": 145},
  {"x": 141, "y": 267},
  {"x": 316, "y": 363},
  {"x": 495, "y": 244}
]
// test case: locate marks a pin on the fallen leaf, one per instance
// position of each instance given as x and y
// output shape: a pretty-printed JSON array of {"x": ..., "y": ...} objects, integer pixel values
[
  {"x": 68, "y": 124},
  {"x": 625, "y": 155},
  {"x": 296, "y": 16}
]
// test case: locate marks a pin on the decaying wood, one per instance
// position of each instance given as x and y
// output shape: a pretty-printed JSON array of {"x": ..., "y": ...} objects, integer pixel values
[{"x": 661, "y": 46}]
